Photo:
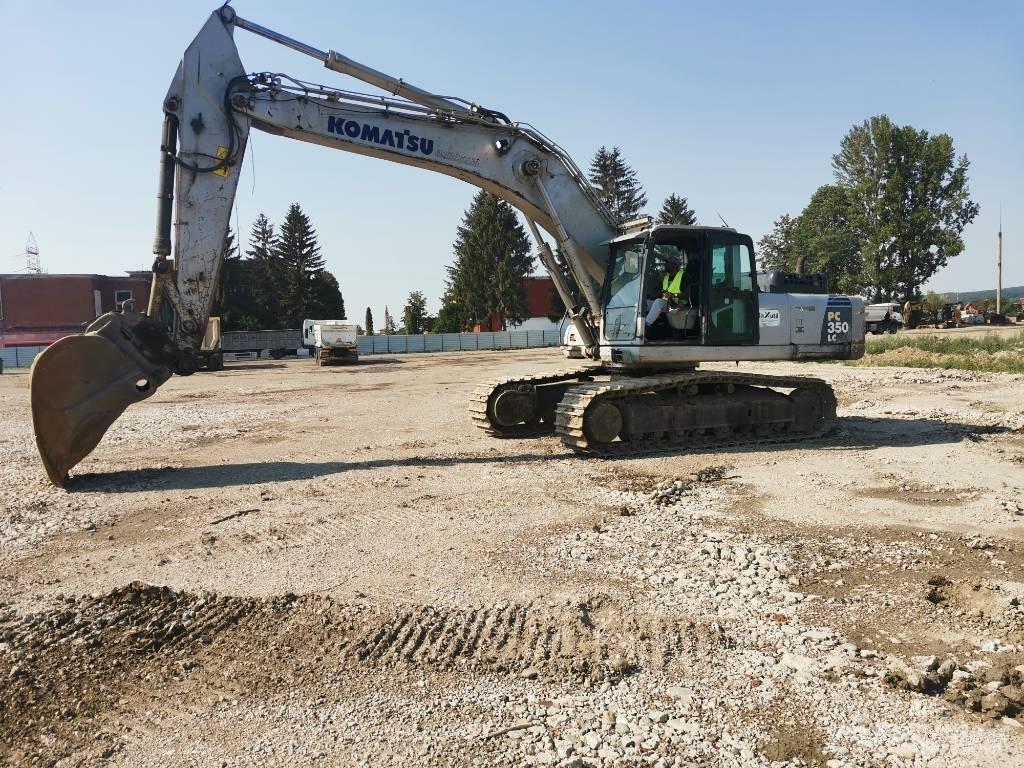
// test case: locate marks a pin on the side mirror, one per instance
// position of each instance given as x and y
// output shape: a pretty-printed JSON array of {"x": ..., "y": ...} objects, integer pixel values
[{"x": 631, "y": 264}]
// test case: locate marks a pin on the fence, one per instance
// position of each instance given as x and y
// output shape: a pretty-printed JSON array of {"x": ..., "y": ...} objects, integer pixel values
[
  {"x": 22, "y": 357},
  {"x": 19, "y": 357},
  {"x": 456, "y": 342}
]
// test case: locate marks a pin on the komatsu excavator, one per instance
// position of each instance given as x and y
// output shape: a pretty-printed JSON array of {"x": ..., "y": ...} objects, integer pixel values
[{"x": 642, "y": 391}]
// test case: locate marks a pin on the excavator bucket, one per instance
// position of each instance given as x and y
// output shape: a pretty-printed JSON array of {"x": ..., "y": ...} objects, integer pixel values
[{"x": 81, "y": 384}]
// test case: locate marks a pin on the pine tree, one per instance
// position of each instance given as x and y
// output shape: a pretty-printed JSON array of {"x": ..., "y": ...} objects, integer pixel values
[
  {"x": 676, "y": 210},
  {"x": 368, "y": 322},
  {"x": 264, "y": 273},
  {"x": 389, "y": 323},
  {"x": 449, "y": 318},
  {"x": 230, "y": 249},
  {"x": 327, "y": 301},
  {"x": 415, "y": 313},
  {"x": 226, "y": 304},
  {"x": 617, "y": 184},
  {"x": 492, "y": 262},
  {"x": 301, "y": 263}
]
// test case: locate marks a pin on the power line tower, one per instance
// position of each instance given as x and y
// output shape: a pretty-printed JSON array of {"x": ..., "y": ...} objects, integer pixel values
[{"x": 32, "y": 263}]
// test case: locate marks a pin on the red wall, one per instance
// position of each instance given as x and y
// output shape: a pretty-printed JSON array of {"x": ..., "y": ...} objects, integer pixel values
[
  {"x": 39, "y": 309},
  {"x": 538, "y": 303},
  {"x": 538, "y": 296}
]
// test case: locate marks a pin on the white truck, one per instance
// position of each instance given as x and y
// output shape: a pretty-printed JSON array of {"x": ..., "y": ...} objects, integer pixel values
[
  {"x": 883, "y": 318},
  {"x": 331, "y": 341}
]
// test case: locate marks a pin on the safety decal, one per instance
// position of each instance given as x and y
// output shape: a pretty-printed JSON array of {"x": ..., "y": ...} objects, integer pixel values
[{"x": 222, "y": 153}]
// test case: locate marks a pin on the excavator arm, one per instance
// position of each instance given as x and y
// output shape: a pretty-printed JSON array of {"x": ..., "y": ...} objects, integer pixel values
[{"x": 82, "y": 384}]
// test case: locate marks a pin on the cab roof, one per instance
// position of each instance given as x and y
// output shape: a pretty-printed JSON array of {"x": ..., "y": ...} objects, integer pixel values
[{"x": 639, "y": 233}]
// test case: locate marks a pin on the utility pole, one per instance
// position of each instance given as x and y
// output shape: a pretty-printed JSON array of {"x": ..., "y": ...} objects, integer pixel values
[{"x": 999, "y": 283}]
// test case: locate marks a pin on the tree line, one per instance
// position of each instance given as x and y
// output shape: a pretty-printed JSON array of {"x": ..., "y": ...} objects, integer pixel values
[
  {"x": 282, "y": 282},
  {"x": 891, "y": 219},
  {"x": 485, "y": 284}
]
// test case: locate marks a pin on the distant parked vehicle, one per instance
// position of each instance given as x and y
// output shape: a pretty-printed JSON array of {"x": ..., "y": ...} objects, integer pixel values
[
  {"x": 883, "y": 318},
  {"x": 276, "y": 343},
  {"x": 951, "y": 315},
  {"x": 332, "y": 341}
]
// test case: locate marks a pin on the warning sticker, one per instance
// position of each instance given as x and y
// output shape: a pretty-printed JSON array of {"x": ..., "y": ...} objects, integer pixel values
[{"x": 222, "y": 152}]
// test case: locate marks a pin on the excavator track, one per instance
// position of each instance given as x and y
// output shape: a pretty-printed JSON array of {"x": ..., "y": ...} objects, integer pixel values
[
  {"x": 482, "y": 402},
  {"x": 752, "y": 413}
]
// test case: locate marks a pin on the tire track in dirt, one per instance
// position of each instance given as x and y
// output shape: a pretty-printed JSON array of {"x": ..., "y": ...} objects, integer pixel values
[
  {"x": 511, "y": 637},
  {"x": 86, "y": 666}
]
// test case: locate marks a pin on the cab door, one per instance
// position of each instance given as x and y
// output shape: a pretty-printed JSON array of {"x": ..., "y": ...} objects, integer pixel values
[{"x": 730, "y": 290}]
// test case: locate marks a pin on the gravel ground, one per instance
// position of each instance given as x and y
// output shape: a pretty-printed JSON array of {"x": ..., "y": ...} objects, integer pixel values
[{"x": 277, "y": 564}]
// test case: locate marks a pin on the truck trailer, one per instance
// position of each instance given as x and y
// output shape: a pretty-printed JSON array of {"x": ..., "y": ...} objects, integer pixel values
[{"x": 331, "y": 342}]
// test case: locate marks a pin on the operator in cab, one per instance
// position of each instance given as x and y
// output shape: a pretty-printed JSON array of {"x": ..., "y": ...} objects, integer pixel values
[{"x": 671, "y": 289}]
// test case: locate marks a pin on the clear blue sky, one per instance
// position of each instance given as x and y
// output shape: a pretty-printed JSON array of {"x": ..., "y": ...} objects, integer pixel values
[{"x": 738, "y": 106}]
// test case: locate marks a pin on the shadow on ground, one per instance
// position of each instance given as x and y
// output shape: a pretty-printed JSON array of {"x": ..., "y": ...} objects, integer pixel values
[
  {"x": 851, "y": 433},
  {"x": 236, "y": 368},
  {"x": 252, "y": 473}
]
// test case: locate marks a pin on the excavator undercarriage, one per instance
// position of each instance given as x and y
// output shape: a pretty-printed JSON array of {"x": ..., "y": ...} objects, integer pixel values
[{"x": 604, "y": 412}]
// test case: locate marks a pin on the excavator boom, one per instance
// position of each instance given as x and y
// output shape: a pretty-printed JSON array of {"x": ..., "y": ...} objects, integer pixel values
[{"x": 83, "y": 383}]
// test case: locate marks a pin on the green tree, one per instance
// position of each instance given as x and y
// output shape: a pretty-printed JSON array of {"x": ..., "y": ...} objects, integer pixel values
[
  {"x": 415, "y": 313},
  {"x": 230, "y": 248},
  {"x": 389, "y": 323},
  {"x": 492, "y": 262},
  {"x": 263, "y": 273},
  {"x": 776, "y": 250},
  {"x": 449, "y": 319},
  {"x": 229, "y": 279},
  {"x": 824, "y": 233},
  {"x": 676, "y": 210},
  {"x": 910, "y": 203},
  {"x": 326, "y": 300},
  {"x": 368, "y": 322},
  {"x": 301, "y": 265},
  {"x": 617, "y": 184}
]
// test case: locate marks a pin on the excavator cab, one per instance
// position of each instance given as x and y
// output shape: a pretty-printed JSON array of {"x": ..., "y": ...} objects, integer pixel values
[{"x": 718, "y": 301}]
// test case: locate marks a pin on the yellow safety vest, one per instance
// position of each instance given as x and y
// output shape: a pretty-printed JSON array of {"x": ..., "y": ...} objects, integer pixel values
[{"x": 673, "y": 285}]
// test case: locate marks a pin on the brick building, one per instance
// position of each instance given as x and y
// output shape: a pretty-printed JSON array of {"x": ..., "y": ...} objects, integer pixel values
[
  {"x": 39, "y": 309},
  {"x": 540, "y": 308}
]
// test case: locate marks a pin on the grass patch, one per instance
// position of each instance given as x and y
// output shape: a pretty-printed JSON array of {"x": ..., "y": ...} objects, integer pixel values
[{"x": 990, "y": 353}]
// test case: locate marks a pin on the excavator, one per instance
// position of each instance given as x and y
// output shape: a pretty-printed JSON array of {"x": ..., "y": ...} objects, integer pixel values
[{"x": 641, "y": 390}]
